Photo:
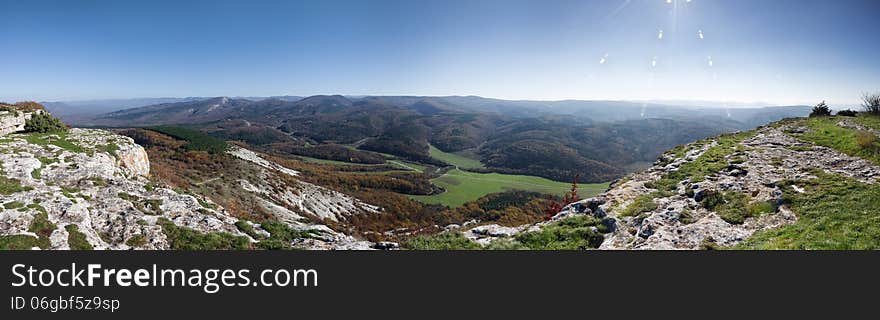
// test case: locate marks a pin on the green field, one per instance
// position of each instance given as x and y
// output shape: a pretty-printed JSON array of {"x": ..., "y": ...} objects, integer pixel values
[
  {"x": 462, "y": 186},
  {"x": 454, "y": 159},
  {"x": 403, "y": 165}
]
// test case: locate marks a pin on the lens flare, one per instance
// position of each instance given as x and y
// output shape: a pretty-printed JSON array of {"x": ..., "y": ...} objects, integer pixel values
[
  {"x": 604, "y": 59},
  {"x": 660, "y": 35},
  {"x": 700, "y": 34}
]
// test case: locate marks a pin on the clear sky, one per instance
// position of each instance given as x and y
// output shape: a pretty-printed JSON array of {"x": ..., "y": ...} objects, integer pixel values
[{"x": 774, "y": 51}]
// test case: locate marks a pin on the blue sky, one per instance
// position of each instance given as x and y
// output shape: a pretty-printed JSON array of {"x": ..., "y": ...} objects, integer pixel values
[{"x": 773, "y": 51}]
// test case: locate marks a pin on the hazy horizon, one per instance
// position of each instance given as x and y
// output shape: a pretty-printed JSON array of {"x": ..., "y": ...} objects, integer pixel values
[
  {"x": 673, "y": 103},
  {"x": 786, "y": 52}
]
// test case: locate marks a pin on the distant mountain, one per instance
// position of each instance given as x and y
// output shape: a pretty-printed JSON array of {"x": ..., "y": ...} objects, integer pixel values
[
  {"x": 82, "y": 110},
  {"x": 600, "y": 140}
]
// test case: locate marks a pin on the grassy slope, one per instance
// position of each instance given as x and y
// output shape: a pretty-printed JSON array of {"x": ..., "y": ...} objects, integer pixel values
[
  {"x": 574, "y": 233},
  {"x": 825, "y": 132},
  {"x": 834, "y": 213},
  {"x": 403, "y": 165},
  {"x": 465, "y": 186},
  {"x": 454, "y": 159}
]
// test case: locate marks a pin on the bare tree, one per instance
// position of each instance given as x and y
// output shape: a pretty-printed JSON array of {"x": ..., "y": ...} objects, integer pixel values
[{"x": 871, "y": 103}]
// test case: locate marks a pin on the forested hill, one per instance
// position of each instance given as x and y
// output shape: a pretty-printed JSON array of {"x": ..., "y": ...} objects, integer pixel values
[{"x": 597, "y": 140}]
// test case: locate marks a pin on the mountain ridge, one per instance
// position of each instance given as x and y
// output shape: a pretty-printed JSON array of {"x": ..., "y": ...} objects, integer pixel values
[{"x": 406, "y": 125}]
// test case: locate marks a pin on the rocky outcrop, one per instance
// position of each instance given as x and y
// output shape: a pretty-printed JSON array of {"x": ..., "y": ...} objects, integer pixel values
[
  {"x": 99, "y": 182},
  {"x": 12, "y": 120},
  {"x": 95, "y": 180},
  {"x": 679, "y": 219},
  {"x": 290, "y": 199}
]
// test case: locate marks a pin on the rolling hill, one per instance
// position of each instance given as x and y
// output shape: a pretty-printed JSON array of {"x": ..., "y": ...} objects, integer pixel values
[{"x": 598, "y": 140}]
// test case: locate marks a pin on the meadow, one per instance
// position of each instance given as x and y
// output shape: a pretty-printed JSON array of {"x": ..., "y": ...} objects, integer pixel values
[
  {"x": 456, "y": 160},
  {"x": 462, "y": 186}
]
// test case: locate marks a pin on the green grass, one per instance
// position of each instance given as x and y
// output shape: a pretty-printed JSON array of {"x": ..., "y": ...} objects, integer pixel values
[
  {"x": 182, "y": 238},
  {"x": 441, "y": 241},
  {"x": 869, "y": 121},
  {"x": 18, "y": 242},
  {"x": 136, "y": 241},
  {"x": 641, "y": 204},
  {"x": 454, "y": 159},
  {"x": 111, "y": 149},
  {"x": 462, "y": 186},
  {"x": 58, "y": 139},
  {"x": 710, "y": 162},
  {"x": 825, "y": 132},
  {"x": 280, "y": 235},
  {"x": 41, "y": 226},
  {"x": 77, "y": 240},
  {"x": 404, "y": 165},
  {"x": 835, "y": 213},
  {"x": 736, "y": 207},
  {"x": 247, "y": 228},
  {"x": 575, "y": 233},
  {"x": 9, "y": 186},
  {"x": 408, "y": 165},
  {"x": 13, "y": 205}
]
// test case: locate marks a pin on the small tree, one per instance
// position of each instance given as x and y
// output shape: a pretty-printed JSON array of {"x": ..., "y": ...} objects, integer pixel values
[
  {"x": 568, "y": 198},
  {"x": 871, "y": 103},
  {"x": 847, "y": 113},
  {"x": 42, "y": 122},
  {"x": 821, "y": 110}
]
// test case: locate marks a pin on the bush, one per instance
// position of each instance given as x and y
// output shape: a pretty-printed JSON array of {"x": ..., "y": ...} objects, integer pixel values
[
  {"x": 44, "y": 123},
  {"x": 574, "y": 233},
  {"x": 866, "y": 140},
  {"x": 29, "y": 106},
  {"x": 871, "y": 103},
  {"x": 443, "y": 241},
  {"x": 820, "y": 110},
  {"x": 196, "y": 140},
  {"x": 847, "y": 113}
]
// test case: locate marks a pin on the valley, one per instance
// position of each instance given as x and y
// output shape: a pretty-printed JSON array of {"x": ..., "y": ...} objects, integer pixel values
[
  {"x": 463, "y": 186},
  {"x": 334, "y": 173}
]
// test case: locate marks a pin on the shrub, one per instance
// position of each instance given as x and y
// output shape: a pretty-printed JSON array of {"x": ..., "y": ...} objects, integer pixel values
[
  {"x": 280, "y": 234},
  {"x": 443, "y": 241},
  {"x": 847, "y": 113},
  {"x": 821, "y": 110},
  {"x": 29, "y": 106},
  {"x": 871, "y": 103},
  {"x": 44, "y": 123},
  {"x": 867, "y": 140},
  {"x": 574, "y": 233},
  {"x": 196, "y": 140}
]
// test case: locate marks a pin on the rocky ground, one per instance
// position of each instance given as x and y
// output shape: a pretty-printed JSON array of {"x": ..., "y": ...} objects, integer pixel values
[
  {"x": 679, "y": 219},
  {"x": 98, "y": 182}
]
